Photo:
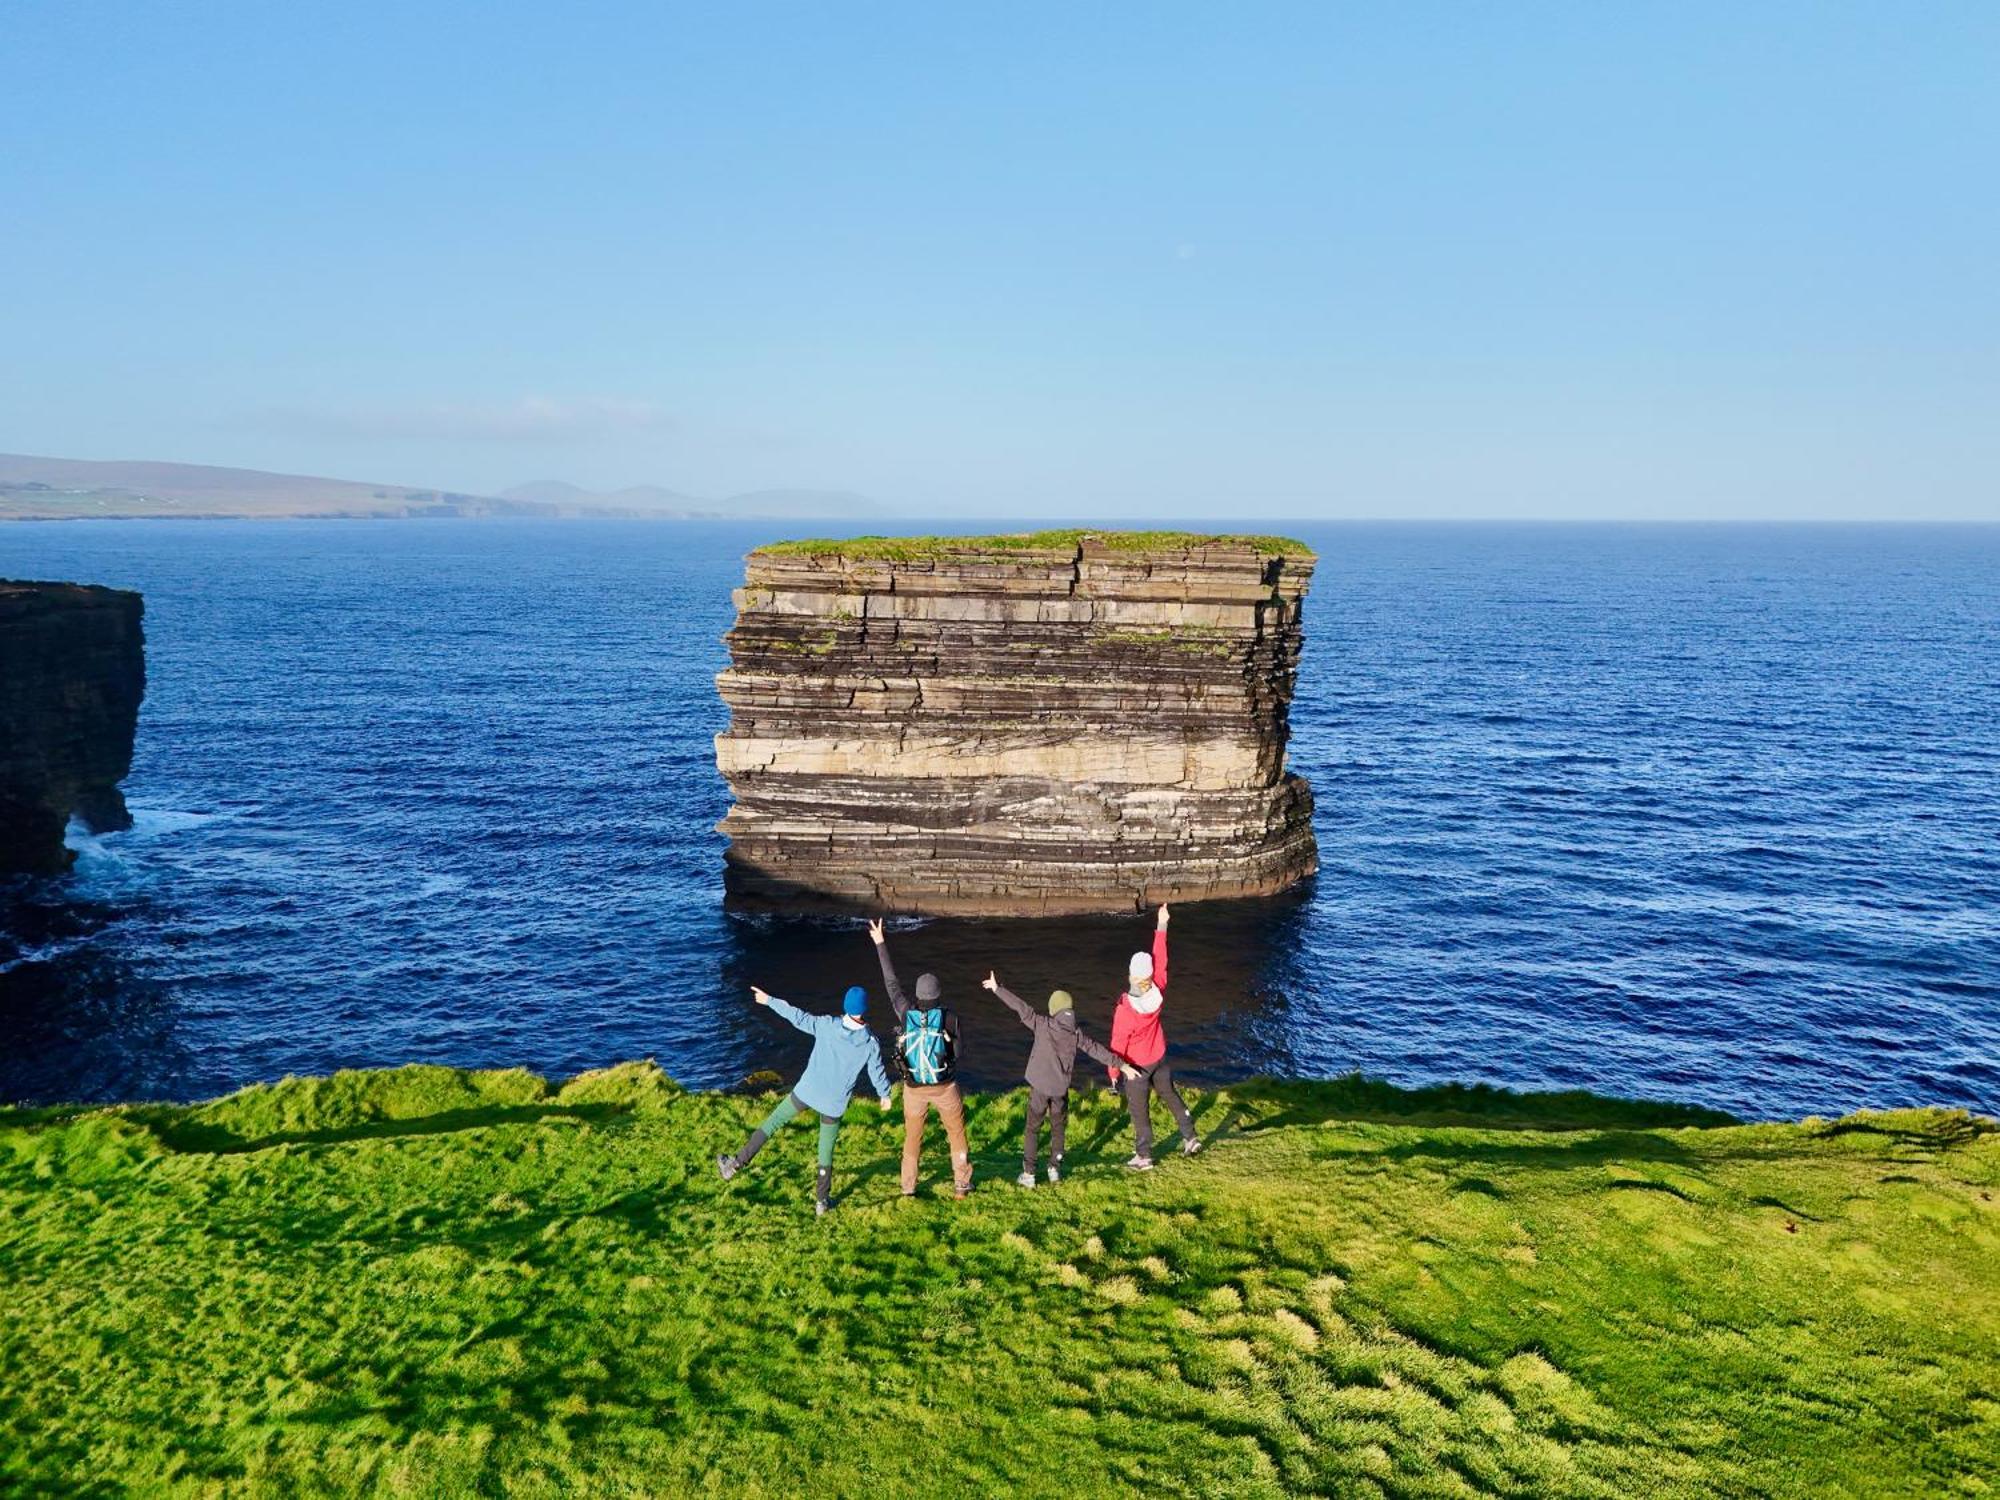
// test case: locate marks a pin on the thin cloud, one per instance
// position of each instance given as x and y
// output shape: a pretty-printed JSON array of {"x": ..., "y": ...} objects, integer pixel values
[{"x": 529, "y": 419}]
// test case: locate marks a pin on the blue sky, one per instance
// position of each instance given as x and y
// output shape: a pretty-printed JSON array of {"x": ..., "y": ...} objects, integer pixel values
[{"x": 1176, "y": 261}]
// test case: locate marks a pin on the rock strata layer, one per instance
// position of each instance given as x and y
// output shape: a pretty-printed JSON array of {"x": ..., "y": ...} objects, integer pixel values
[
  {"x": 1015, "y": 726},
  {"x": 72, "y": 672}
]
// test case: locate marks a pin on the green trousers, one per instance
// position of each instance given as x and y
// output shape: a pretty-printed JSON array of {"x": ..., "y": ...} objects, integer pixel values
[{"x": 788, "y": 1109}]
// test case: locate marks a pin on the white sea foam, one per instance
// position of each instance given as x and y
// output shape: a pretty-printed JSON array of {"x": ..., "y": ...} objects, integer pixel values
[{"x": 158, "y": 822}]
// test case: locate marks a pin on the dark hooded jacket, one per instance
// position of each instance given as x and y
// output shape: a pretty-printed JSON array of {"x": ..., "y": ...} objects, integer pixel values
[{"x": 1058, "y": 1039}]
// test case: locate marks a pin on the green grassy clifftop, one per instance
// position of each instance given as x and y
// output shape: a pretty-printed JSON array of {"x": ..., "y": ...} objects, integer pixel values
[
  {"x": 431, "y": 1282},
  {"x": 910, "y": 548}
]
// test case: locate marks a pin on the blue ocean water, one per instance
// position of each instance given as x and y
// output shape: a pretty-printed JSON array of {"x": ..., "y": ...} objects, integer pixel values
[{"x": 1710, "y": 814}]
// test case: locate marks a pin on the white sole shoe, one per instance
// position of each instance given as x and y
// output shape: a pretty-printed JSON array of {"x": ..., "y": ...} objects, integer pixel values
[
  {"x": 1139, "y": 1164},
  {"x": 1026, "y": 1179}
]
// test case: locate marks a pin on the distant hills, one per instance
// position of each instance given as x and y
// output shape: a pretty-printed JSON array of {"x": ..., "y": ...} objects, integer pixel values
[
  {"x": 33, "y": 488},
  {"x": 59, "y": 488},
  {"x": 639, "y": 499},
  {"x": 654, "y": 500}
]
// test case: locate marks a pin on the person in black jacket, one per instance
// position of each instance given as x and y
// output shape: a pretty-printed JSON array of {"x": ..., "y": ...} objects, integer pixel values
[
  {"x": 926, "y": 1053},
  {"x": 1051, "y": 1061}
]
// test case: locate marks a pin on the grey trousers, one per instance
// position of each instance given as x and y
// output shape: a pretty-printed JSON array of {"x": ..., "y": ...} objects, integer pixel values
[
  {"x": 1055, "y": 1108},
  {"x": 1158, "y": 1079}
]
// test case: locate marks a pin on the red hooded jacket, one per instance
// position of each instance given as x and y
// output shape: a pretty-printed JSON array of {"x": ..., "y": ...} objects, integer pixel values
[{"x": 1138, "y": 1039}]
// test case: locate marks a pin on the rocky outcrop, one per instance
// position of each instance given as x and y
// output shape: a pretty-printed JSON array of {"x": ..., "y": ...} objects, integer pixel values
[
  {"x": 72, "y": 672},
  {"x": 1057, "y": 723}
]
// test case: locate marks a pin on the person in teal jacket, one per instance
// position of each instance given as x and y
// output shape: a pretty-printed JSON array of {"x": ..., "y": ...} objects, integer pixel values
[{"x": 843, "y": 1049}]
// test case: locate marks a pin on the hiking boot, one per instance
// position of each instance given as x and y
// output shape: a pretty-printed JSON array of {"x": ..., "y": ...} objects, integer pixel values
[
  {"x": 729, "y": 1166},
  {"x": 1026, "y": 1179},
  {"x": 1191, "y": 1145},
  {"x": 1139, "y": 1164}
]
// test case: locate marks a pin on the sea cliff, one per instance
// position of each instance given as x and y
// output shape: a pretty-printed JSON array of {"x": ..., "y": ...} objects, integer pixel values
[
  {"x": 1015, "y": 725},
  {"x": 72, "y": 672}
]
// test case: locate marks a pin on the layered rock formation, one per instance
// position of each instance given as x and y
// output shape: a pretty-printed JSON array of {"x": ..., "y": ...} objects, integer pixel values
[
  {"x": 1058, "y": 723},
  {"x": 72, "y": 672}
]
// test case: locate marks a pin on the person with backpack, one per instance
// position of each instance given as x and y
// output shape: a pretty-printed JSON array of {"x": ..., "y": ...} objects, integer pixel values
[
  {"x": 927, "y": 1058},
  {"x": 843, "y": 1049},
  {"x": 1052, "y": 1059},
  {"x": 1140, "y": 1042}
]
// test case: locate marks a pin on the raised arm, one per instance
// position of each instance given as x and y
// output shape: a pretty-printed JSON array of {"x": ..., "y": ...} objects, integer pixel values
[
  {"x": 1160, "y": 949},
  {"x": 896, "y": 996},
  {"x": 1011, "y": 1000},
  {"x": 783, "y": 1009}
]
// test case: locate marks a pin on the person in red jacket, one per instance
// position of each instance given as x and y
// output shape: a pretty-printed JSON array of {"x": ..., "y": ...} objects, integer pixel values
[{"x": 1138, "y": 1040}]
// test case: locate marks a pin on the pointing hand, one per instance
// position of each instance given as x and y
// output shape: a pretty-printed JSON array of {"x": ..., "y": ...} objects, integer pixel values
[
  {"x": 990, "y": 982},
  {"x": 875, "y": 929},
  {"x": 762, "y": 997}
]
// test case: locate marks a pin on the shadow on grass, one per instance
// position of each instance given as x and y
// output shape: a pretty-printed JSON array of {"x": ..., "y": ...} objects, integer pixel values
[
  {"x": 1583, "y": 1148},
  {"x": 1931, "y": 1130},
  {"x": 1274, "y": 1104}
]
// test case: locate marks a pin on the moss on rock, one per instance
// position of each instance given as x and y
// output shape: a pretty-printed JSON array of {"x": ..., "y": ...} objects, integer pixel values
[{"x": 912, "y": 548}]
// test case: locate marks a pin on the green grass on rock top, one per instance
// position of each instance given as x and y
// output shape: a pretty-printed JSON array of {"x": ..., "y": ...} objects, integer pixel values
[
  {"x": 433, "y": 1283},
  {"x": 910, "y": 548}
]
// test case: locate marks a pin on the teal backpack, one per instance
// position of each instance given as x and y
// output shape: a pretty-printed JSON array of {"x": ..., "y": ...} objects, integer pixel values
[{"x": 923, "y": 1049}]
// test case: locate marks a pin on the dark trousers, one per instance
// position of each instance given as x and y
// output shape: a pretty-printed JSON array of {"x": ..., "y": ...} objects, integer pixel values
[
  {"x": 1158, "y": 1079},
  {"x": 1055, "y": 1107}
]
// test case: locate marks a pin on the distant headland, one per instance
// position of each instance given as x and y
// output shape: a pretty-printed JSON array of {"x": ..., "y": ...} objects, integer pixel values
[{"x": 65, "y": 489}]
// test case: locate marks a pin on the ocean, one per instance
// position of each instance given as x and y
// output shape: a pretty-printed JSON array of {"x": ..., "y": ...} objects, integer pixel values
[{"x": 1698, "y": 813}]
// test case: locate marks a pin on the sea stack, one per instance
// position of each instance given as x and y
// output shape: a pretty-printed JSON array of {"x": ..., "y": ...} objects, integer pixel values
[
  {"x": 72, "y": 672},
  {"x": 1024, "y": 725}
]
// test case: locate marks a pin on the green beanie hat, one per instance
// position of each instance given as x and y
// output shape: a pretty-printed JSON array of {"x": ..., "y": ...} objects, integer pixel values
[{"x": 1060, "y": 1002}]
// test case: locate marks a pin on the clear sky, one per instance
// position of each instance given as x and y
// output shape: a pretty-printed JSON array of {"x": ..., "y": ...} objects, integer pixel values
[{"x": 1107, "y": 260}]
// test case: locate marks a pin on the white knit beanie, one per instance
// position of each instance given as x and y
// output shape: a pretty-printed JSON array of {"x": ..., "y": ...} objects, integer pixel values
[{"x": 1141, "y": 966}]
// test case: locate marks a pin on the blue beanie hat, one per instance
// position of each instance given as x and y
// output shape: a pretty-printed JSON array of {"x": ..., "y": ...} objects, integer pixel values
[{"x": 856, "y": 1001}]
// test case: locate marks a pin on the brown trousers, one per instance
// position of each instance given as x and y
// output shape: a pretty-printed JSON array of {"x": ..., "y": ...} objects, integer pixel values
[{"x": 919, "y": 1099}]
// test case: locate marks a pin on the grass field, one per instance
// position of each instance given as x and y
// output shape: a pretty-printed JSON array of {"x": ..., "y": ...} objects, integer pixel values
[{"x": 434, "y": 1283}]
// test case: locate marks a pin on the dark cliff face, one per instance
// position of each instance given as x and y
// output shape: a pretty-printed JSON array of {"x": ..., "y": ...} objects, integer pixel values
[
  {"x": 72, "y": 672},
  {"x": 1032, "y": 730}
]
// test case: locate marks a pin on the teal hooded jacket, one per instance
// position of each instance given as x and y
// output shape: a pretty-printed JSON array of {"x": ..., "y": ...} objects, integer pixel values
[{"x": 840, "y": 1054}]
